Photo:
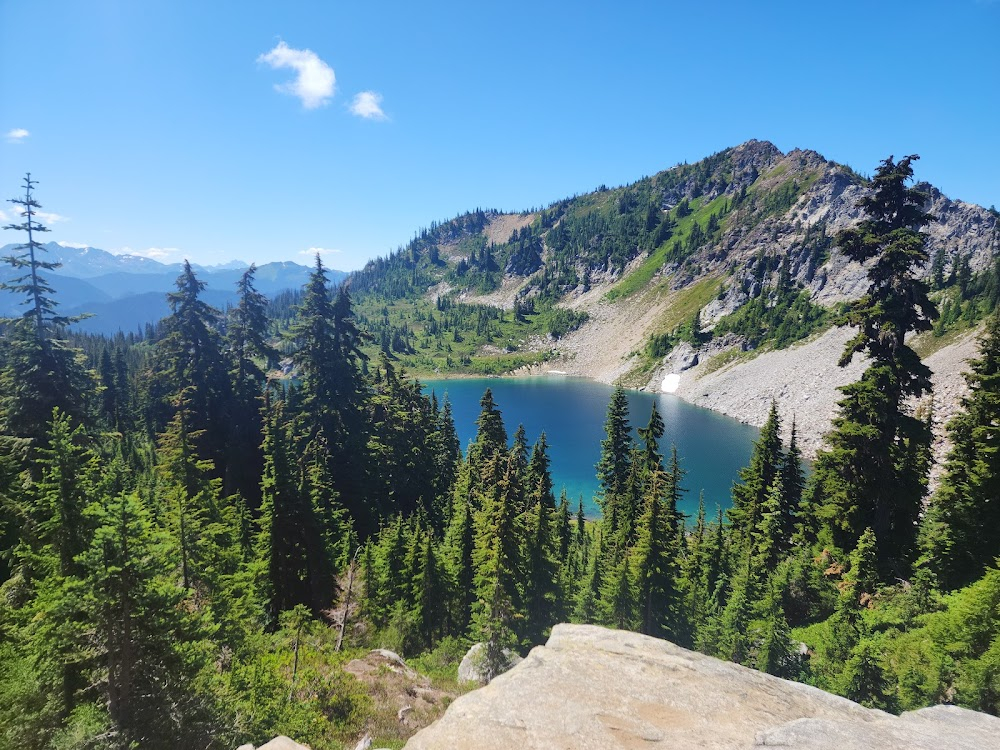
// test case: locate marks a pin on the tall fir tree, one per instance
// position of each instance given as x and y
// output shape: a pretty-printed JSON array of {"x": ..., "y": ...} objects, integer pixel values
[
  {"x": 750, "y": 493},
  {"x": 498, "y": 613},
  {"x": 616, "y": 459},
  {"x": 328, "y": 354},
  {"x": 192, "y": 363},
  {"x": 41, "y": 372},
  {"x": 872, "y": 473},
  {"x": 250, "y": 353}
]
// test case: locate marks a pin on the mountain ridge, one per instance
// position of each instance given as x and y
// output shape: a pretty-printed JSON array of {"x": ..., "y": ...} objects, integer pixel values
[
  {"x": 635, "y": 264},
  {"x": 127, "y": 292}
]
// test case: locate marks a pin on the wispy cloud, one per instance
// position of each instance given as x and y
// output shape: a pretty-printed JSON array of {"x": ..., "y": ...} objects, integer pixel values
[
  {"x": 368, "y": 104},
  {"x": 153, "y": 253},
  {"x": 312, "y": 252},
  {"x": 48, "y": 217},
  {"x": 43, "y": 217},
  {"x": 314, "y": 82},
  {"x": 16, "y": 135},
  {"x": 158, "y": 253}
]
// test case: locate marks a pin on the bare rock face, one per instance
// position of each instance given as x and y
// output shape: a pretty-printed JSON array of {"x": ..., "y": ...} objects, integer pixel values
[
  {"x": 589, "y": 687},
  {"x": 682, "y": 357},
  {"x": 282, "y": 743}
]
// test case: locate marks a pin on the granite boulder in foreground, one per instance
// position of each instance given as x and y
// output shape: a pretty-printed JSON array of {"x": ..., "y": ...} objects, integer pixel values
[{"x": 590, "y": 687}]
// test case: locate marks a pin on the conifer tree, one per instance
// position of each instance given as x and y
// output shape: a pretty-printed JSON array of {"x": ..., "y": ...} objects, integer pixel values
[
  {"x": 55, "y": 532},
  {"x": 655, "y": 556},
  {"x": 960, "y": 533},
  {"x": 204, "y": 524},
  {"x": 588, "y": 599},
  {"x": 674, "y": 474},
  {"x": 847, "y": 625},
  {"x": 299, "y": 568},
  {"x": 40, "y": 371},
  {"x": 750, "y": 493},
  {"x": 499, "y": 571},
  {"x": 864, "y": 679},
  {"x": 62, "y": 494},
  {"x": 771, "y": 540},
  {"x": 775, "y": 652},
  {"x": 564, "y": 529},
  {"x": 734, "y": 639},
  {"x": 148, "y": 649},
  {"x": 459, "y": 549},
  {"x": 541, "y": 574},
  {"x": 248, "y": 348},
  {"x": 193, "y": 365},
  {"x": 650, "y": 435},
  {"x": 693, "y": 574},
  {"x": 329, "y": 356},
  {"x": 27, "y": 260},
  {"x": 792, "y": 485},
  {"x": 872, "y": 473},
  {"x": 618, "y": 596},
  {"x": 447, "y": 451},
  {"x": 430, "y": 593},
  {"x": 616, "y": 457},
  {"x": 491, "y": 439}
]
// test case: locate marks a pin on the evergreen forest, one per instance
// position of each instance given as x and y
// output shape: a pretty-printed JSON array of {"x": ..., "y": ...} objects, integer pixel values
[{"x": 200, "y": 526}]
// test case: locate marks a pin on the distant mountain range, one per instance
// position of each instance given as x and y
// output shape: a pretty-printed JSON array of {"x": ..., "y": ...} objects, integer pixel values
[{"x": 125, "y": 292}]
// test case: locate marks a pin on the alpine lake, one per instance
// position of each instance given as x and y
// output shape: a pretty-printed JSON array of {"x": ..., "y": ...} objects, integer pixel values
[{"x": 571, "y": 411}]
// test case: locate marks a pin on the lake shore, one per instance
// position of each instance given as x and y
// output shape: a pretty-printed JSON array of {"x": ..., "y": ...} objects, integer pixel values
[{"x": 802, "y": 379}]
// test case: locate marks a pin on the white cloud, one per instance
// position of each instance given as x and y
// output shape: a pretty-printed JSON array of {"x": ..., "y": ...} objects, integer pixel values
[
  {"x": 47, "y": 217},
  {"x": 157, "y": 253},
  {"x": 368, "y": 104},
  {"x": 312, "y": 252},
  {"x": 153, "y": 253},
  {"x": 314, "y": 82},
  {"x": 17, "y": 135},
  {"x": 43, "y": 217}
]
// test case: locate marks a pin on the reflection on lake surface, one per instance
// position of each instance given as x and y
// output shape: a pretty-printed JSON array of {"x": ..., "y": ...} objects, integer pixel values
[{"x": 571, "y": 412}]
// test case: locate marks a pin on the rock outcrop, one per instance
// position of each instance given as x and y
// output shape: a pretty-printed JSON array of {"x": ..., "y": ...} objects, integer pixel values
[
  {"x": 471, "y": 668},
  {"x": 589, "y": 687}
]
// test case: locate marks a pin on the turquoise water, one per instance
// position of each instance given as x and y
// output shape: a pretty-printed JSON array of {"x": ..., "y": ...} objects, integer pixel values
[{"x": 571, "y": 411}]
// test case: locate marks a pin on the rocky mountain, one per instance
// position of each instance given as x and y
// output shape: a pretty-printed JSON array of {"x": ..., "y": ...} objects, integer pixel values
[
  {"x": 125, "y": 292},
  {"x": 589, "y": 687},
  {"x": 635, "y": 264}
]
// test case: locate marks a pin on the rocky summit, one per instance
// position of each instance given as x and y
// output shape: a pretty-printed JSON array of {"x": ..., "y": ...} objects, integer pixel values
[{"x": 590, "y": 687}]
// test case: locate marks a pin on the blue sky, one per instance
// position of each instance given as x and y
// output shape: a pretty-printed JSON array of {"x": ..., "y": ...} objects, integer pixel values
[{"x": 183, "y": 129}]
